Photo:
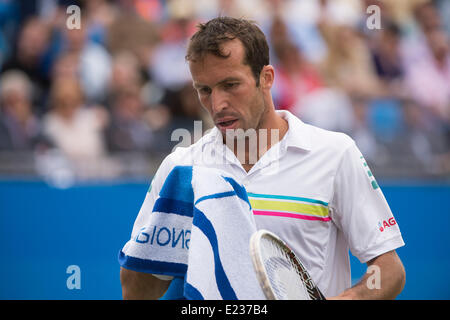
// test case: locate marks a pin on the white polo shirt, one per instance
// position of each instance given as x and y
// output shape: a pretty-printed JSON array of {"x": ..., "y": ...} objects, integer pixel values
[{"x": 313, "y": 189}]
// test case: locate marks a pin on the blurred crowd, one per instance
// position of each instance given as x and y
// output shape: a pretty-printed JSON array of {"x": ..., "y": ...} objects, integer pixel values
[{"x": 119, "y": 85}]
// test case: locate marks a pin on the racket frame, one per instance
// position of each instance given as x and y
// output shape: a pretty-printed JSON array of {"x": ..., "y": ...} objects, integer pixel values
[{"x": 255, "y": 249}]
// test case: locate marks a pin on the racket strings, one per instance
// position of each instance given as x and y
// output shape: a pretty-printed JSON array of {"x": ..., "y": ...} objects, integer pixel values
[{"x": 286, "y": 279}]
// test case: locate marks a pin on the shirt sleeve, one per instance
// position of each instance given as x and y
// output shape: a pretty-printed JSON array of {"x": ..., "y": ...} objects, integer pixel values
[{"x": 360, "y": 210}]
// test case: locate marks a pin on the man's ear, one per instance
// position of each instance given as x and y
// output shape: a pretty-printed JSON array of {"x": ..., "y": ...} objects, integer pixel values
[{"x": 267, "y": 77}]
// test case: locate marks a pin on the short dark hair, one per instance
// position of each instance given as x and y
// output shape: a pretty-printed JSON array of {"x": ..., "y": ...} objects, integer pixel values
[{"x": 212, "y": 34}]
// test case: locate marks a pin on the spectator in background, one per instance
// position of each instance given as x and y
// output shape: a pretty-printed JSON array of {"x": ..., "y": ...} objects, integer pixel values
[
  {"x": 93, "y": 62},
  {"x": 131, "y": 33},
  {"x": 401, "y": 12},
  {"x": 129, "y": 130},
  {"x": 414, "y": 45},
  {"x": 136, "y": 111},
  {"x": 125, "y": 73},
  {"x": 167, "y": 66},
  {"x": 327, "y": 108},
  {"x": 188, "y": 109},
  {"x": 348, "y": 65},
  {"x": 20, "y": 128},
  {"x": 184, "y": 109},
  {"x": 296, "y": 77},
  {"x": 387, "y": 60},
  {"x": 65, "y": 66},
  {"x": 9, "y": 21},
  {"x": 428, "y": 80},
  {"x": 427, "y": 16},
  {"x": 297, "y": 20},
  {"x": 73, "y": 127},
  {"x": 28, "y": 57},
  {"x": 100, "y": 14}
]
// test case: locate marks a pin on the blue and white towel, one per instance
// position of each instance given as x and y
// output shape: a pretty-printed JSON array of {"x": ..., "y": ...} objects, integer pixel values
[{"x": 200, "y": 230}]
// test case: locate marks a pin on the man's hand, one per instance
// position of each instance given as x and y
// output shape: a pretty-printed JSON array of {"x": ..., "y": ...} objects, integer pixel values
[
  {"x": 141, "y": 286},
  {"x": 392, "y": 280}
]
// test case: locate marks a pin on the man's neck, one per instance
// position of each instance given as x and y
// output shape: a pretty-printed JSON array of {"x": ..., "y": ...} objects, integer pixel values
[{"x": 251, "y": 148}]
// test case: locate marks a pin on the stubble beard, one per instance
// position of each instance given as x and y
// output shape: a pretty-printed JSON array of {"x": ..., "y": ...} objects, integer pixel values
[{"x": 245, "y": 142}]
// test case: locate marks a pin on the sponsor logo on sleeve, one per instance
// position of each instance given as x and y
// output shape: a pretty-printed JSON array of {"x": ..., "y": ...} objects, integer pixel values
[{"x": 383, "y": 225}]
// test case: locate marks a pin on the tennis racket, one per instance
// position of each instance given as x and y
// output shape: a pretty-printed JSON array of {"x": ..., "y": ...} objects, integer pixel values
[{"x": 280, "y": 273}]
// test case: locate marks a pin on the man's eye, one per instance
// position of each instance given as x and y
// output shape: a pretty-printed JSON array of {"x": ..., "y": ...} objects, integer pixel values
[
  {"x": 205, "y": 90},
  {"x": 230, "y": 85}
]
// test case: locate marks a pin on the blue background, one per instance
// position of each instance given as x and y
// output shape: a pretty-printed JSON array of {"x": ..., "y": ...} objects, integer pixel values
[{"x": 43, "y": 230}]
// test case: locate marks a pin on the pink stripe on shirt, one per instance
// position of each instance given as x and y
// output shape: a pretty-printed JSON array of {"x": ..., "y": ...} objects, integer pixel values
[{"x": 289, "y": 215}]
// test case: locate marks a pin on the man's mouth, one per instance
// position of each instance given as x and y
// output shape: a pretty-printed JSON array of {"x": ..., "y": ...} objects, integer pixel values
[{"x": 228, "y": 124}]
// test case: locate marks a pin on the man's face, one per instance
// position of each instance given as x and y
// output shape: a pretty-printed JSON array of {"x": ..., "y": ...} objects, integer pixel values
[{"x": 227, "y": 89}]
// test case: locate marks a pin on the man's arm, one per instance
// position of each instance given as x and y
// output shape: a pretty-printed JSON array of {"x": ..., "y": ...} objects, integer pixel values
[
  {"x": 392, "y": 280},
  {"x": 141, "y": 286}
]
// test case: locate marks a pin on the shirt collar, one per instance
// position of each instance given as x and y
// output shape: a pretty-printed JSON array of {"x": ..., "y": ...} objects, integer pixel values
[{"x": 297, "y": 134}]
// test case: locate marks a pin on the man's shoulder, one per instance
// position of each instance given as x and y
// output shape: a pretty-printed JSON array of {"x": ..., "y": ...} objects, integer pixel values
[
  {"x": 321, "y": 139},
  {"x": 314, "y": 138}
]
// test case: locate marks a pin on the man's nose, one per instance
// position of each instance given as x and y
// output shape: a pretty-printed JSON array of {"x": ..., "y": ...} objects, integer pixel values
[{"x": 218, "y": 101}]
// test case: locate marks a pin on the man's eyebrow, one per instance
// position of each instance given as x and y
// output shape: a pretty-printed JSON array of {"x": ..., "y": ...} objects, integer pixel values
[
  {"x": 200, "y": 85},
  {"x": 228, "y": 79}
]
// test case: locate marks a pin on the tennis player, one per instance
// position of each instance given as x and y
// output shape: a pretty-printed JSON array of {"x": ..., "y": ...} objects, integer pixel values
[{"x": 309, "y": 186}]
